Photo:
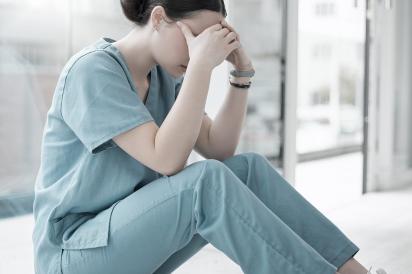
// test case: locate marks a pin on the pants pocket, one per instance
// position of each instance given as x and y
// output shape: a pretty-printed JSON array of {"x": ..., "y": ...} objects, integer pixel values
[{"x": 72, "y": 260}]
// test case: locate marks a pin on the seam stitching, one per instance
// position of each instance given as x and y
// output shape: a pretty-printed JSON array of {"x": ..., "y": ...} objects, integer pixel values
[{"x": 250, "y": 227}]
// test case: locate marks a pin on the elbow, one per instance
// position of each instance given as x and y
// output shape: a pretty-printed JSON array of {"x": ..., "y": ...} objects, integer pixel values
[
  {"x": 171, "y": 170},
  {"x": 224, "y": 155},
  {"x": 221, "y": 151}
]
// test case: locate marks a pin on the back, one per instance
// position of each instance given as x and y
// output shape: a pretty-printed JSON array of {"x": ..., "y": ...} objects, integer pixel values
[{"x": 82, "y": 170}]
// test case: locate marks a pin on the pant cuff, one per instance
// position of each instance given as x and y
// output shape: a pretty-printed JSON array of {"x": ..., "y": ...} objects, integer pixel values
[{"x": 343, "y": 256}]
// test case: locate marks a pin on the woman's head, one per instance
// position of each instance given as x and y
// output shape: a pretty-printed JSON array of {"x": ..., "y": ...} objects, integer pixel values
[{"x": 168, "y": 43}]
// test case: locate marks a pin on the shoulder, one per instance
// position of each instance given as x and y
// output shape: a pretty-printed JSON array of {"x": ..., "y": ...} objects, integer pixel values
[
  {"x": 91, "y": 73},
  {"x": 97, "y": 68},
  {"x": 95, "y": 60}
]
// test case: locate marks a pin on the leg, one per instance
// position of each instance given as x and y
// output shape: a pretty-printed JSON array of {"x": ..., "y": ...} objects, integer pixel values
[
  {"x": 153, "y": 223},
  {"x": 145, "y": 229},
  {"x": 182, "y": 255},
  {"x": 230, "y": 217},
  {"x": 282, "y": 199}
]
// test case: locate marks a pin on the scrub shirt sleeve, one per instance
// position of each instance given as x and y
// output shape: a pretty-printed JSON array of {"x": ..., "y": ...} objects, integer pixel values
[
  {"x": 178, "y": 85},
  {"x": 98, "y": 102}
]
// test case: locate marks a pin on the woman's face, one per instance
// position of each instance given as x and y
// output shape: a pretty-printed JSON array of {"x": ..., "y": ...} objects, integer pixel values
[{"x": 169, "y": 45}]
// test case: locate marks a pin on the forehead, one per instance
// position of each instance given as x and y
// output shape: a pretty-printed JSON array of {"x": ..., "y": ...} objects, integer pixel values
[{"x": 203, "y": 19}]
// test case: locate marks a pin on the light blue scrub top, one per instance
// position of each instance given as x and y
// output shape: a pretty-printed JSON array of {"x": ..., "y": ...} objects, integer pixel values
[{"x": 82, "y": 170}]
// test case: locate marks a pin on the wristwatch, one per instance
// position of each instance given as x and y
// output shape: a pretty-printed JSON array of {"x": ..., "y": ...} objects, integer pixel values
[{"x": 242, "y": 73}]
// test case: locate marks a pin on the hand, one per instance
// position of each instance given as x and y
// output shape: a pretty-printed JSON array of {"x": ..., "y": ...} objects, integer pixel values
[
  {"x": 238, "y": 57},
  {"x": 211, "y": 46}
]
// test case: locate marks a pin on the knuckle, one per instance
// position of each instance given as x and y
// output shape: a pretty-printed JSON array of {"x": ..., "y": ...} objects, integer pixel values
[{"x": 231, "y": 35}]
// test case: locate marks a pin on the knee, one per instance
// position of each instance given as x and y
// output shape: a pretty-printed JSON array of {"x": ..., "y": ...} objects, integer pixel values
[
  {"x": 245, "y": 161},
  {"x": 258, "y": 161},
  {"x": 213, "y": 168},
  {"x": 213, "y": 165},
  {"x": 254, "y": 158},
  {"x": 254, "y": 155}
]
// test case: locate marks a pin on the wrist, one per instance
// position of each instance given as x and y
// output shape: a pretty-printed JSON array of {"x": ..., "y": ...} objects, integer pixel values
[
  {"x": 242, "y": 86},
  {"x": 244, "y": 67},
  {"x": 202, "y": 62},
  {"x": 240, "y": 80},
  {"x": 198, "y": 65}
]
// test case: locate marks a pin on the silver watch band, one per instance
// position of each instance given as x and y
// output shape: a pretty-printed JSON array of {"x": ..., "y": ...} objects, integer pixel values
[{"x": 241, "y": 73}]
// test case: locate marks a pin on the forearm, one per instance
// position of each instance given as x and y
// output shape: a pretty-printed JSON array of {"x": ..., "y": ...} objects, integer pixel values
[
  {"x": 225, "y": 131},
  {"x": 178, "y": 133}
]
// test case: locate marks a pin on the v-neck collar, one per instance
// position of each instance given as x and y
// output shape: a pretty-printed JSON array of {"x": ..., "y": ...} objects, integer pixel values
[{"x": 152, "y": 72}]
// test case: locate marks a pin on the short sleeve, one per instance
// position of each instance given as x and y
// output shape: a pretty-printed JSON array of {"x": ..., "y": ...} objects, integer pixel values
[
  {"x": 98, "y": 102},
  {"x": 178, "y": 86}
]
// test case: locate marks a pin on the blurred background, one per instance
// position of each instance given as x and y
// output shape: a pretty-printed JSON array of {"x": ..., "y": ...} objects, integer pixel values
[{"x": 330, "y": 106}]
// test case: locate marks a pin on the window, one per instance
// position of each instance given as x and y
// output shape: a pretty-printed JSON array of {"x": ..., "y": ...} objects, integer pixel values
[{"x": 36, "y": 40}]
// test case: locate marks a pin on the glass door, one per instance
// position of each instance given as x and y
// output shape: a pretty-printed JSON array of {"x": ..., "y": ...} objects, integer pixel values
[
  {"x": 402, "y": 164},
  {"x": 36, "y": 40},
  {"x": 260, "y": 24},
  {"x": 330, "y": 100},
  {"x": 390, "y": 156},
  {"x": 33, "y": 49}
]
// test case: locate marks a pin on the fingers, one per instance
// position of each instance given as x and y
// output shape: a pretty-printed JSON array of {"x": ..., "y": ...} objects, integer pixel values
[
  {"x": 215, "y": 27},
  {"x": 187, "y": 32},
  {"x": 230, "y": 37},
  {"x": 223, "y": 32},
  {"x": 226, "y": 25},
  {"x": 234, "y": 45}
]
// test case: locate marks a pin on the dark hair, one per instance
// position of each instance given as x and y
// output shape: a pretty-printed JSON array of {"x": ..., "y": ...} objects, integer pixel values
[{"x": 139, "y": 11}]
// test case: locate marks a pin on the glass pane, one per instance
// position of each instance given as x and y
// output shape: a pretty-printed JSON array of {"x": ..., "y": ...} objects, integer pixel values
[
  {"x": 33, "y": 49},
  {"x": 36, "y": 40},
  {"x": 90, "y": 23},
  {"x": 330, "y": 101},
  {"x": 330, "y": 85},
  {"x": 403, "y": 96},
  {"x": 261, "y": 35}
]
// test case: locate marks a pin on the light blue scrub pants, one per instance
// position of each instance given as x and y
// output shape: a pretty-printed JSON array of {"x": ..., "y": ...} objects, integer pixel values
[{"x": 241, "y": 205}]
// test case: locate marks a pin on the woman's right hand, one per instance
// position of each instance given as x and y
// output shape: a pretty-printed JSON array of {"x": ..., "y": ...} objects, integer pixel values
[{"x": 211, "y": 46}]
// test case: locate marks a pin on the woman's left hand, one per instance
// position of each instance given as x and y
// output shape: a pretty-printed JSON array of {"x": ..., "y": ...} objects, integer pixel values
[{"x": 238, "y": 57}]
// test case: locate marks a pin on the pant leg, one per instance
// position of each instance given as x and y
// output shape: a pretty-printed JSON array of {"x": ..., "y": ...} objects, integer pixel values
[
  {"x": 279, "y": 196},
  {"x": 254, "y": 170},
  {"x": 207, "y": 198},
  {"x": 233, "y": 219},
  {"x": 182, "y": 255},
  {"x": 146, "y": 227}
]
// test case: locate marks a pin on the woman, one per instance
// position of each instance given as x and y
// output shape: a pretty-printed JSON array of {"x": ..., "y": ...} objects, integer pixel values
[{"x": 113, "y": 193}]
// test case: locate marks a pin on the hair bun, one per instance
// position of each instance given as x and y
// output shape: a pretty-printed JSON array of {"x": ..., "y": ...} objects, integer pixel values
[
  {"x": 133, "y": 9},
  {"x": 141, "y": 7}
]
